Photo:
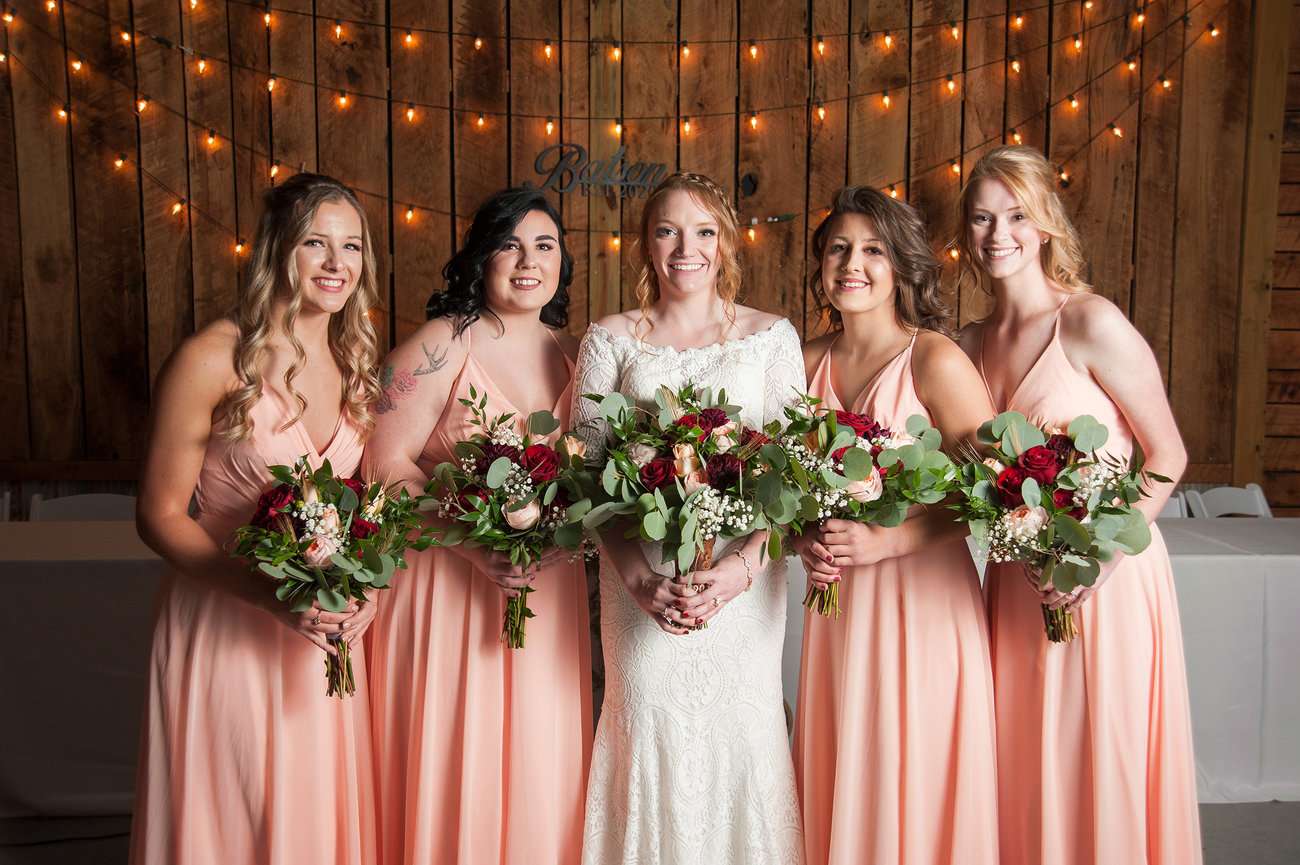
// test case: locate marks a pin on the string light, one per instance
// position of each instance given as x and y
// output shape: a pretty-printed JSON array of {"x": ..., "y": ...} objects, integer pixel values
[
  {"x": 1087, "y": 5},
  {"x": 618, "y": 127},
  {"x": 1213, "y": 31},
  {"x": 76, "y": 64},
  {"x": 617, "y": 52},
  {"x": 954, "y": 254},
  {"x": 753, "y": 50},
  {"x": 550, "y": 127},
  {"x": 178, "y": 207},
  {"x": 751, "y": 234},
  {"x": 821, "y": 46},
  {"x": 1131, "y": 63},
  {"x": 548, "y": 50},
  {"x": 1065, "y": 176},
  {"x": 141, "y": 104},
  {"x": 338, "y": 29},
  {"x": 893, "y": 191},
  {"x": 126, "y": 37},
  {"x": 885, "y": 100},
  {"x": 616, "y": 241},
  {"x": 954, "y": 29},
  {"x": 1078, "y": 42},
  {"x": 63, "y": 112},
  {"x": 952, "y": 84},
  {"x": 194, "y": 4},
  {"x": 343, "y": 99},
  {"x": 1166, "y": 83},
  {"x": 8, "y": 17},
  {"x": 1074, "y": 101},
  {"x": 821, "y": 111},
  {"x": 266, "y": 19},
  {"x": 686, "y": 49},
  {"x": 1116, "y": 131},
  {"x": 889, "y": 40},
  {"x": 1016, "y": 137},
  {"x": 686, "y": 126},
  {"x": 753, "y": 120},
  {"x": 239, "y": 246},
  {"x": 270, "y": 84},
  {"x": 1141, "y": 18},
  {"x": 202, "y": 65},
  {"x": 1015, "y": 65},
  {"x": 119, "y": 161},
  {"x": 409, "y": 39},
  {"x": 51, "y": 6},
  {"x": 275, "y": 168},
  {"x": 4, "y": 58},
  {"x": 410, "y": 212},
  {"x": 478, "y": 43},
  {"x": 1018, "y": 21},
  {"x": 410, "y": 113},
  {"x": 481, "y": 120},
  {"x": 212, "y": 138}
]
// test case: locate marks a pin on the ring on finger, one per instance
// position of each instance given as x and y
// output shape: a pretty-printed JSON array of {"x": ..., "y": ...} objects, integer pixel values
[
  {"x": 717, "y": 601},
  {"x": 315, "y": 620}
]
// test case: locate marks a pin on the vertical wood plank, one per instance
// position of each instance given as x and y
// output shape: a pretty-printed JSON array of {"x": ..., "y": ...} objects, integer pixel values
[
  {"x": 421, "y": 73},
  {"x": 163, "y": 164},
  {"x": 534, "y": 87},
  {"x": 879, "y": 66},
  {"x": 251, "y": 125},
  {"x": 211, "y": 212},
  {"x": 1027, "y": 88},
  {"x": 14, "y": 441},
  {"x": 480, "y": 82},
  {"x": 353, "y": 142},
  {"x": 293, "y": 96},
  {"x": 1206, "y": 264},
  {"x": 650, "y": 108},
  {"x": 604, "y": 211},
  {"x": 110, "y": 267},
  {"x": 576, "y": 104},
  {"x": 774, "y": 154},
  {"x": 37, "y": 74},
  {"x": 708, "y": 90},
  {"x": 1270, "y": 32},
  {"x": 828, "y": 135}
]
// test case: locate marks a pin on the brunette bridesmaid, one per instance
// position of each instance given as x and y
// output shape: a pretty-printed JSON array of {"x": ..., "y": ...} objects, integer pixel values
[
  {"x": 481, "y": 751},
  {"x": 244, "y": 758},
  {"x": 894, "y": 737},
  {"x": 1094, "y": 736}
]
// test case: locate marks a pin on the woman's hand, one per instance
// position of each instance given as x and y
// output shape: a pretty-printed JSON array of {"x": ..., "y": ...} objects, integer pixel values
[
  {"x": 659, "y": 597},
  {"x": 1083, "y": 593},
  {"x": 319, "y": 626},
  {"x": 716, "y": 586},
  {"x": 853, "y": 544},
  {"x": 360, "y": 621},
  {"x": 496, "y": 566},
  {"x": 817, "y": 560}
]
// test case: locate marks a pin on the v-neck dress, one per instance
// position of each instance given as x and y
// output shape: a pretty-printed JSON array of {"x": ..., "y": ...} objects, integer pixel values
[
  {"x": 243, "y": 758},
  {"x": 481, "y": 751},
  {"x": 1094, "y": 736},
  {"x": 894, "y": 736}
]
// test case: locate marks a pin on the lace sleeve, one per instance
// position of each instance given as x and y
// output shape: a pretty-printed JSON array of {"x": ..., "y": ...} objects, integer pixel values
[
  {"x": 597, "y": 372},
  {"x": 785, "y": 374}
]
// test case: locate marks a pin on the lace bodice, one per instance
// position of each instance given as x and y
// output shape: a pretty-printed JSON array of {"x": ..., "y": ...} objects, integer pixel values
[{"x": 762, "y": 373}]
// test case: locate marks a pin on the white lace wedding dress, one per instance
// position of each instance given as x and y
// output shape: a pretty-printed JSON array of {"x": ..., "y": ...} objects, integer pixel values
[{"x": 691, "y": 764}]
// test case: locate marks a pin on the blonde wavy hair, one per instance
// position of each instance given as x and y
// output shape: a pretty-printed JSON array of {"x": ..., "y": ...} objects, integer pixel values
[
  {"x": 715, "y": 201},
  {"x": 287, "y": 216},
  {"x": 1032, "y": 180}
]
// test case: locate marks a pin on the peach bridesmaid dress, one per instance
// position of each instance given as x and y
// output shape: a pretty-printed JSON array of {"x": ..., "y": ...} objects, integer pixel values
[
  {"x": 243, "y": 757},
  {"x": 1094, "y": 736},
  {"x": 894, "y": 738},
  {"x": 481, "y": 751}
]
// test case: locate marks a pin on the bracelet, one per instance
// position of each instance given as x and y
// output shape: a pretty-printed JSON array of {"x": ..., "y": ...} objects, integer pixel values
[{"x": 749, "y": 574}]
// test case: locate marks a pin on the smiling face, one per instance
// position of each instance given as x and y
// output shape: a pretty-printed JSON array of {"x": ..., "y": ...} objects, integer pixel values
[
  {"x": 856, "y": 272},
  {"x": 524, "y": 274},
  {"x": 329, "y": 260},
  {"x": 682, "y": 244},
  {"x": 1002, "y": 239}
]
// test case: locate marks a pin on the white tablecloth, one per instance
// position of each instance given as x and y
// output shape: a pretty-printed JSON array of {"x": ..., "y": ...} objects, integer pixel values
[
  {"x": 1238, "y": 584},
  {"x": 75, "y": 629}
]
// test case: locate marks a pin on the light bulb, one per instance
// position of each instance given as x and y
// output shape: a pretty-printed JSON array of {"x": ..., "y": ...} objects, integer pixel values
[
  {"x": 889, "y": 41},
  {"x": 885, "y": 100},
  {"x": 275, "y": 168},
  {"x": 343, "y": 99},
  {"x": 212, "y": 138},
  {"x": 203, "y": 65},
  {"x": 686, "y": 126},
  {"x": 409, "y": 38},
  {"x": 753, "y": 120},
  {"x": 178, "y": 207},
  {"x": 1078, "y": 42},
  {"x": 548, "y": 50},
  {"x": 1074, "y": 101},
  {"x": 954, "y": 30},
  {"x": 76, "y": 65},
  {"x": 1015, "y": 65},
  {"x": 478, "y": 43},
  {"x": 141, "y": 104},
  {"x": 550, "y": 127},
  {"x": 893, "y": 191},
  {"x": 270, "y": 84},
  {"x": 956, "y": 167},
  {"x": 821, "y": 46},
  {"x": 338, "y": 29},
  {"x": 821, "y": 112},
  {"x": 410, "y": 213},
  {"x": 753, "y": 50},
  {"x": 410, "y": 114},
  {"x": 1019, "y": 21},
  {"x": 617, "y": 53},
  {"x": 119, "y": 161},
  {"x": 952, "y": 84},
  {"x": 686, "y": 49}
]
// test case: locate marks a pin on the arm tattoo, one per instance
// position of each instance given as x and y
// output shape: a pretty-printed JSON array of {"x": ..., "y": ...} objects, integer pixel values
[
  {"x": 434, "y": 361},
  {"x": 397, "y": 384}
]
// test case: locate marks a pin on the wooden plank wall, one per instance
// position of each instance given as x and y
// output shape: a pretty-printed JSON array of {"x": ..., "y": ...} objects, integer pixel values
[{"x": 427, "y": 108}]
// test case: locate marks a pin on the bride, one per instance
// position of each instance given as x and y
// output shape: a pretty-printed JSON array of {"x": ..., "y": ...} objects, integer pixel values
[{"x": 691, "y": 763}]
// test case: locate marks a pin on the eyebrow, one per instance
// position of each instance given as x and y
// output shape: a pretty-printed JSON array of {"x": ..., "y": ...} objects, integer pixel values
[
  {"x": 538, "y": 237},
  {"x": 326, "y": 236},
  {"x": 846, "y": 237}
]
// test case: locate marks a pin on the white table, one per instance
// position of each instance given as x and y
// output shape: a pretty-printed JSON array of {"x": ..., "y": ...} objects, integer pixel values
[
  {"x": 75, "y": 630},
  {"x": 1238, "y": 584}
]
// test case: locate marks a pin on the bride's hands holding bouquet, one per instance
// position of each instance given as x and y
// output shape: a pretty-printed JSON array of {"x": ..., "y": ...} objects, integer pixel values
[{"x": 720, "y": 584}]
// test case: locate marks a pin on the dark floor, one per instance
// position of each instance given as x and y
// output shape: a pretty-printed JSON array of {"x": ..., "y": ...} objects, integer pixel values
[{"x": 1263, "y": 833}]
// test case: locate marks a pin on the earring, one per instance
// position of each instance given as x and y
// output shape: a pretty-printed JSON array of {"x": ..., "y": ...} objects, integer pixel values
[{"x": 1046, "y": 240}]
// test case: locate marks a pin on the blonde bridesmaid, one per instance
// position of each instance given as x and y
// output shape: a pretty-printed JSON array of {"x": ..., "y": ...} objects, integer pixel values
[
  {"x": 481, "y": 751},
  {"x": 244, "y": 759},
  {"x": 894, "y": 736},
  {"x": 1095, "y": 750}
]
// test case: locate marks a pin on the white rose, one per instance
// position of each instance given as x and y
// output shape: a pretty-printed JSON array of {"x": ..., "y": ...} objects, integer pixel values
[
  {"x": 693, "y": 481},
  {"x": 525, "y": 517},
  {"x": 641, "y": 453},
  {"x": 723, "y": 442},
  {"x": 868, "y": 489},
  {"x": 1027, "y": 520},
  {"x": 319, "y": 551}
]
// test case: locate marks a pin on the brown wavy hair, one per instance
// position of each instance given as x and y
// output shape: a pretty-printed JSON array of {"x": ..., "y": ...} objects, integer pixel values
[
  {"x": 1032, "y": 180},
  {"x": 715, "y": 201},
  {"x": 288, "y": 211},
  {"x": 918, "y": 301}
]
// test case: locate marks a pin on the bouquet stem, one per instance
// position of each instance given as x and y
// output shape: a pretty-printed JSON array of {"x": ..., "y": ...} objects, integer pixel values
[
  {"x": 703, "y": 561},
  {"x": 1059, "y": 624},
  {"x": 338, "y": 672},
  {"x": 517, "y": 616},
  {"x": 825, "y": 601}
]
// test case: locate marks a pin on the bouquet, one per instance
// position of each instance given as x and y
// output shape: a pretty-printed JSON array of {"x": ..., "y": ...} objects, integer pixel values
[
  {"x": 685, "y": 472},
  {"x": 329, "y": 540},
  {"x": 837, "y": 464},
  {"x": 512, "y": 493},
  {"x": 1047, "y": 499}
]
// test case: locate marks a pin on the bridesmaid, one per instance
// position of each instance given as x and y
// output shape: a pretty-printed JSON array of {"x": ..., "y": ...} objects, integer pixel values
[
  {"x": 1095, "y": 750},
  {"x": 244, "y": 758},
  {"x": 481, "y": 751},
  {"x": 894, "y": 737}
]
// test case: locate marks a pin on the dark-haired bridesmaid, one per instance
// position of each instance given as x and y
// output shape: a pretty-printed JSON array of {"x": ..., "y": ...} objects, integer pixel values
[{"x": 481, "y": 751}]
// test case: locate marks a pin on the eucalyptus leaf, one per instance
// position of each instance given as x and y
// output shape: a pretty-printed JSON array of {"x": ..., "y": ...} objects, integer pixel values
[
  {"x": 498, "y": 472},
  {"x": 653, "y": 526},
  {"x": 1072, "y": 532},
  {"x": 331, "y": 600},
  {"x": 857, "y": 464},
  {"x": 1135, "y": 536},
  {"x": 542, "y": 423},
  {"x": 348, "y": 501},
  {"x": 774, "y": 455},
  {"x": 1087, "y": 433},
  {"x": 271, "y": 571},
  {"x": 1031, "y": 493},
  {"x": 343, "y": 563},
  {"x": 609, "y": 478},
  {"x": 612, "y": 405},
  {"x": 549, "y": 495}
]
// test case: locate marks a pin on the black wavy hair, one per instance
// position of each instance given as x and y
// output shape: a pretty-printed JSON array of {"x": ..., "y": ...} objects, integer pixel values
[{"x": 495, "y": 221}]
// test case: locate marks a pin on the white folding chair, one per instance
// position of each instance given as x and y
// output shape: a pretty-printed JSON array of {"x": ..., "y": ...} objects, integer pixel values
[
  {"x": 88, "y": 507},
  {"x": 1229, "y": 501},
  {"x": 1175, "y": 507}
]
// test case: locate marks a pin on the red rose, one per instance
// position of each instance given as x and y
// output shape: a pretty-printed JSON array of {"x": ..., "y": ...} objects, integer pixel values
[
  {"x": 1008, "y": 484},
  {"x": 723, "y": 470},
  {"x": 658, "y": 473},
  {"x": 492, "y": 452},
  {"x": 1063, "y": 447},
  {"x": 275, "y": 501},
  {"x": 862, "y": 425},
  {"x": 1039, "y": 463},
  {"x": 754, "y": 437},
  {"x": 838, "y": 453},
  {"x": 542, "y": 462},
  {"x": 467, "y": 496},
  {"x": 362, "y": 529},
  {"x": 357, "y": 486},
  {"x": 688, "y": 420},
  {"x": 1064, "y": 500},
  {"x": 712, "y": 418}
]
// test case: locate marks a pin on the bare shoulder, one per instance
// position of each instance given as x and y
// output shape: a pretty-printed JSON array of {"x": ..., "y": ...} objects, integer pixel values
[
  {"x": 750, "y": 320},
  {"x": 621, "y": 323},
  {"x": 203, "y": 365},
  {"x": 937, "y": 355},
  {"x": 1093, "y": 323},
  {"x": 433, "y": 344},
  {"x": 568, "y": 343},
  {"x": 815, "y": 349}
]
